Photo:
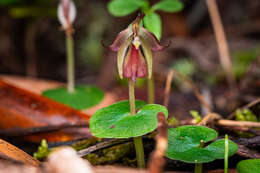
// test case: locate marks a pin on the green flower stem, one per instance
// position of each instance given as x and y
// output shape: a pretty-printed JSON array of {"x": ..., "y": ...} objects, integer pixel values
[
  {"x": 131, "y": 89},
  {"x": 70, "y": 63},
  {"x": 198, "y": 166},
  {"x": 150, "y": 86},
  {"x": 137, "y": 140},
  {"x": 139, "y": 149},
  {"x": 226, "y": 155}
]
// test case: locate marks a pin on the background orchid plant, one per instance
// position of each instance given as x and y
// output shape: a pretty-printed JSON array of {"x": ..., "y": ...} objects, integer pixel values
[{"x": 79, "y": 97}]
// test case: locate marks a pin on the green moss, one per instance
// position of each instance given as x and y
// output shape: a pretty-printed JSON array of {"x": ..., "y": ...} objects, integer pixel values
[
  {"x": 245, "y": 115},
  {"x": 111, "y": 154},
  {"x": 85, "y": 143}
]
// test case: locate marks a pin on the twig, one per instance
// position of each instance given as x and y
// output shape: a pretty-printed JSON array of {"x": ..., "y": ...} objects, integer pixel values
[
  {"x": 209, "y": 117},
  {"x": 223, "y": 49},
  {"x": 12, "y": 132},
  {"x": 206, "y": 94},
  {"x": 249, "y": 142},
  {"x": 244, "y": 107},
  {"x": 101, "y": 145},
  {"x": 232, "y": 123},
  {"x": 157, "y": 157},
  {"x": 168, "y": 88},
  {"x": 195, "y": 90},
  {"x": 246, "y": 152},
  {"x": 156, "y": 161}
]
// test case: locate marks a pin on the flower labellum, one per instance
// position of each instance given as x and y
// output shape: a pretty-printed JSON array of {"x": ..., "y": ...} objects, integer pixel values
[
  {"x": 134, "y": 46},
  {"x": 66, "y": 14}
]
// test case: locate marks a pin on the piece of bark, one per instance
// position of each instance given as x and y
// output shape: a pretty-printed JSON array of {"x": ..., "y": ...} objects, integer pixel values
[
  {"x": 21, "y": 108},
  {"x": 157, "y": 161},
  {"x": 9, "y": 151}
]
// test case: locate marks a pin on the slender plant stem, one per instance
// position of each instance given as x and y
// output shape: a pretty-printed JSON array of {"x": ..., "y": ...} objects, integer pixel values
[
  {"x": 226, "y": 155},
  {"x": 70, "y": 64},
  {"x": 137, "y": 140},
  {"x": 131, "y": 89},
  {"x": 150, "y": 85},
  {"x": 198, "y": 168}
]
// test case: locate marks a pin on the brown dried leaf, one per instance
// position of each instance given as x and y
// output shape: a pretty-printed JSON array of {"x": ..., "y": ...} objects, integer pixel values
[{"x": 10, "y": 151}]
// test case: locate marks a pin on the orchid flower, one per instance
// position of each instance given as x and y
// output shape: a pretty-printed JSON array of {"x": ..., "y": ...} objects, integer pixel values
[
  {"x": 66, "y": 14},
  {"x": 134, "y": 46}
]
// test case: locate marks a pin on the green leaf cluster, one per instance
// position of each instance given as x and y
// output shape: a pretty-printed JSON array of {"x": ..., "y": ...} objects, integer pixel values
[
  {"x": 152, "y": 21},
  {"x": 185, "y": 144}
]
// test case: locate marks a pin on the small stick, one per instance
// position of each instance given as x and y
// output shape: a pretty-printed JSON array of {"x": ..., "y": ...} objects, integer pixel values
[
  {"x": 168, "y": 88},
  {"x": 246, "y": 152},
  {"x": 101, "y": 145},
  {"x": 209, "y": 117},
  {"x": 156, "y": 161},
  {"x": 195, "y": 91},
  {"x": 232, "y": 123},
  {"x": 223, "y": 49}
]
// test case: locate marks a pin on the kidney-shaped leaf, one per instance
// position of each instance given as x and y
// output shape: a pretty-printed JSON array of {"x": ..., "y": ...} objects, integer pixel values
[
  {"x": 115, "y": 120},
  {"x": 82, "y": 98},
  {"x": 184, "y": 144},
  {"x": 218, "y": 150},
  {"x": 248, "y": 166}
]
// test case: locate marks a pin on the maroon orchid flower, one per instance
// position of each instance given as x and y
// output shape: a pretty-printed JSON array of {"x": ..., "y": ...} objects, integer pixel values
[{"x": 134, "y": 46}]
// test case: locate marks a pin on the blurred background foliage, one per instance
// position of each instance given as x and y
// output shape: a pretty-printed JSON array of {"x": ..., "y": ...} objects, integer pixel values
[{"x": 32, "y": 42}]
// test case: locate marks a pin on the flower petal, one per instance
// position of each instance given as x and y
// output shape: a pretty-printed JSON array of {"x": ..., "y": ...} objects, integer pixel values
[
  {"x": 148, "y": 57},
  {"x": 142, "y": 66},
  {"x": 151, "y": 39},
  {"x": 64, "y": 11},
  {"x": 121, "y": 56},
  {"x": 120, "y": 39},
  {"x": 134, "y": 64}
]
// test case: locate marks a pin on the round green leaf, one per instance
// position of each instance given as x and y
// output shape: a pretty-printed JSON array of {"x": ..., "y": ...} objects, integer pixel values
[
  {"x": 248, "y": 166},
  {"x": 186, "y": 137},
  {"x": 184, "y": 144},
  {"x": 124, "y": 7},
  {"x": 115, "y": 120},
  {"x": 217, "y": 148},
  {"x": 153, "y": 23},
  {"x": 168, "y": 6},
  {"x": 82, "y": 98}
]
